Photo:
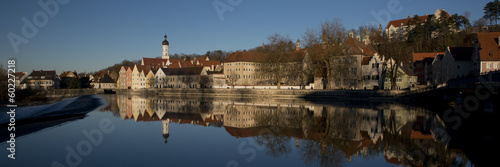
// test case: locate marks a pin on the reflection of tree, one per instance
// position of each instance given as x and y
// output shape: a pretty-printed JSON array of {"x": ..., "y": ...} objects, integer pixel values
[{"x": 314, "y": 152}]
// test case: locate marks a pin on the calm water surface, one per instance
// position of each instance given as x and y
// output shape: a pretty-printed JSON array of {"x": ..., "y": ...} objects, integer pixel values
[{"x": 162, "y": 131}]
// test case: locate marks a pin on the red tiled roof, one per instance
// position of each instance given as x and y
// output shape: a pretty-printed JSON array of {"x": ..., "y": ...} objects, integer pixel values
[
  {"x": 244, "y": 56},
  {"x": 489, "y": 44},
  {"x": 404, "y": 22},
  {"x": 358, "y": 47},
  {"x": 422, "y": 56}
]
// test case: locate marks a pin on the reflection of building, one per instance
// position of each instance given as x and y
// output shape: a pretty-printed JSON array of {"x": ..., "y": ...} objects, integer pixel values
[
  {"x": 401, "y": 134},
  {"x": 168, "y": 111}
]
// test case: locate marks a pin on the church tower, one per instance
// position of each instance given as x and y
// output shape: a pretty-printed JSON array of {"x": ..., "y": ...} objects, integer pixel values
[
  {"x": 298, "y": 45},
  {"x": 165, "y": 49}
]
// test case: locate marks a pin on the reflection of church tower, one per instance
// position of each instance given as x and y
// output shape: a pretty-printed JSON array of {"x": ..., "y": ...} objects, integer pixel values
[
  {"x": 165, "y": 129},
  {"x": 165, "y": 49}
]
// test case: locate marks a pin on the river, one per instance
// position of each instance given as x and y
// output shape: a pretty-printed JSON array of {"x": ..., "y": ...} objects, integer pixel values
[{"x": 166, "y": 131}]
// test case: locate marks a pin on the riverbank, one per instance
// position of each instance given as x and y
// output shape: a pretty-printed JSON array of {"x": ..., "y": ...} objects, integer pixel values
[{"x": 350, "y": 95}]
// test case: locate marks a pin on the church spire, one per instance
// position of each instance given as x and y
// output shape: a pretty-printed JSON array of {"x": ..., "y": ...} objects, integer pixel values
[{"x": 165, "y": 48}]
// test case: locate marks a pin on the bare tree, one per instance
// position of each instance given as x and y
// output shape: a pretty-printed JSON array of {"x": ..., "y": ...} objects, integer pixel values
[
  {"x": 397, "y": 52},
  {"x": 276, "y": 55},
  {"x": 204, "y": 81},
  {"x": 325, "y": 54},
  {"x": 232, "y": 78}
]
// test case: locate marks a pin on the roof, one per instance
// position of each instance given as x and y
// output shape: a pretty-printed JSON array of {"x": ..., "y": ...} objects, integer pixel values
[
  {"x": 183, "y": 71},
  {"x": 366, "y": 60},
  {"x": 422, "y": 19},
  {"x": 19, "y": 74},
  {"x": 422, "y": 56},
  {"x": 489, "y": 44},
  {"x": 244, "y": 56},
  {"x": 46, "y": 74},
  {"x": 106, "y": 79},
  {"x": 215, "y": 72},
  {"x": 42, "y": 73},
  {"x": 358, "y": 47},
  {"x": 165, "y": 42},
  {"x": 462, "y": 53},
  {"x": 404, "y": 22}
]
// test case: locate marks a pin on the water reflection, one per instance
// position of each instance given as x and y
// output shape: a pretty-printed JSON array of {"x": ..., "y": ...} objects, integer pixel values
[{"x": 322, "y": 135}]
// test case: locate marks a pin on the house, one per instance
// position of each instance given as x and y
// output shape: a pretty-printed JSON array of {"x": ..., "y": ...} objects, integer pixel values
[
  {"x": 405, "y": 78},
  {"x": 486, "y": 55},
  {"x": 350, "y": 72},
  {"x": 398, "y": 28},
  {"x": 150, "y": 79},
  {"x": 180, "y": 77},
  {"x": 43, "y": 80},
  {"x": 121, "y": 83},
  {"x": 20, "y": 77},
  {"x": 102, "y": 80},
  {"x": 456, "y": 62},
  {"x": 436, "y": 70},
  {"x": 67, "y": 77},
  {"x": 371, "y": 67},
  {"x": 128, "y": 78},
  {"x": 422, "y": 66},
  {"x": 217, "y": 78},
  {"x": 138, "y": 78}
]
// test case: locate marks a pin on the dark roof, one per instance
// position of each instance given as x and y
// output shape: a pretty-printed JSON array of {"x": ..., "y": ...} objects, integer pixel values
[
  {"x": 165, "y": 42},
  {"x": 42, "y": 73},
  {"x": 106, "y": 79},
  {"x": 47, "y": 74},
  {"x": 215, "y": 72},
  {"x": 183, "y": 71},
  {"x": 366, "y": 60},
  {"x": 462, "y": 53}
]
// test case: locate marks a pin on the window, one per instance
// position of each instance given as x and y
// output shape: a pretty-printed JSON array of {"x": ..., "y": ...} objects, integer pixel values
[{"x": 458, "y": 67}]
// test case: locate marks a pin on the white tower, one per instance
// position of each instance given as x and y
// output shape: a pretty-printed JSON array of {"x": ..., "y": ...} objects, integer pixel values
[{"x": 165, "y": 49}]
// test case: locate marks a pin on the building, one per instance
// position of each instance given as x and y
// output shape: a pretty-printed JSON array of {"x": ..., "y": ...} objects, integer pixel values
[
  {"x": 405, "y": 78},
  {"x": 179, "y": 77},
  {"x": 486, "y": 55},
  {"x": 456, "y": 63},
  {"x": 422, "y": 66},
  {"x": 43, "y": 80},
  {"x": 102, "y": 80},
  {"x": 437, "y": 78},
  {"x": 399, "y": 28},
  {"x": 67, "y": 77},
  {"x": 348, "y": 71},
  {"x": 166, "y": 62},
  {"x": 20, "y": 77},
  {"x": 371, "y": 68},
  {"x": 121, "y": 83},
  {"x": 217, "y": 78}
]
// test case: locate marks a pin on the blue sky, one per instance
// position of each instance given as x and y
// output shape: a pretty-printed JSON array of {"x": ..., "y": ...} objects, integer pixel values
[{"x": 90, "y": 35}]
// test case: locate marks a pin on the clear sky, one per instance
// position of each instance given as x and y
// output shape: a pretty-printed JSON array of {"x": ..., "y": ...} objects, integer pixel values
[{"x": 88, "y": 35}]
